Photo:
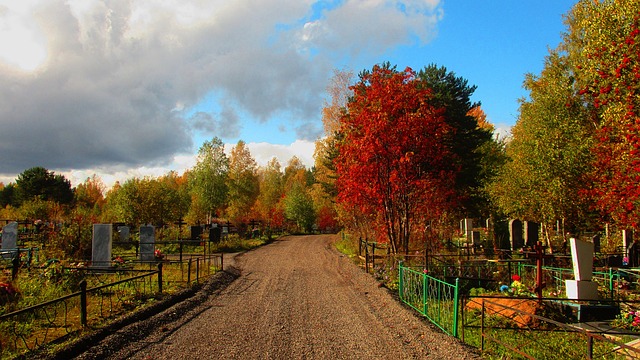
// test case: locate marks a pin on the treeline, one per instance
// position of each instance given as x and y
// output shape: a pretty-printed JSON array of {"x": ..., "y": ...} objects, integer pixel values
[{"x": 218, "y": 188}]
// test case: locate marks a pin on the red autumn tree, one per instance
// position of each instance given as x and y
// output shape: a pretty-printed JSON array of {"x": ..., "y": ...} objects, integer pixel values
[
  {"x": 604, "y": 43},
  {"x": 393, "y": 163}
]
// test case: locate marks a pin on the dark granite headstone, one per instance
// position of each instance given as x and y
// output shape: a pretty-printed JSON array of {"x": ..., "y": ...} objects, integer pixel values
[
  {"x": 531, "y": 233},
  {"x": 196, "y": 232},
  {"x": 515, "y": 234},
  {"x": 215, "y": 233}
]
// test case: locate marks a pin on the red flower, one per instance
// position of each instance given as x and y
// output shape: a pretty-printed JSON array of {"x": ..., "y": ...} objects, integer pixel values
[{"x": 515, "y": 277}]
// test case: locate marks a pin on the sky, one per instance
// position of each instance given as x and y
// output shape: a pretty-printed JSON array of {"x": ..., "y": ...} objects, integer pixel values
[{"x": 133, "y": 88}]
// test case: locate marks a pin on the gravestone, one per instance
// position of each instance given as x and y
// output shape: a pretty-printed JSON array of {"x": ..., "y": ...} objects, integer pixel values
[
  {"x": 515, "y": 234},
  {"x": 627, "y": 240},
  {"x": 475, "y": 238},
  {"x": 10, "y": 236},
  {"x": 101, "y": 245},
  {"x": 633, "y": 254},
  {"x": 501, "y": 235},
  {"x": 467, "y": 225},
  {"x": 582, "y": 288},
  {"x": 596, "y": 242},
  {"x": 215, "y": 233},
  {"x": 123, "y": 233},
  {"x": 147, "y": 243},
  {"x": 196, "y": 232},
  {"x": 9, "y": 240},
  {"x": 531, "y": 236}
]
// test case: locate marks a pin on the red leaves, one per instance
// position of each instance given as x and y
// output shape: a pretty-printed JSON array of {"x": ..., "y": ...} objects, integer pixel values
[{"x": 393, "y": 161}]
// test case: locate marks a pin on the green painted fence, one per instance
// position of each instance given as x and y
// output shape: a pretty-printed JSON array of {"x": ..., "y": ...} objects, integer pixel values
[{"x": 436, "y": 299}]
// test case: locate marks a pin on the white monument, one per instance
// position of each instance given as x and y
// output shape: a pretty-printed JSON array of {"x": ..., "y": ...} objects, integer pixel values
[{"x": 582, "y": 288}]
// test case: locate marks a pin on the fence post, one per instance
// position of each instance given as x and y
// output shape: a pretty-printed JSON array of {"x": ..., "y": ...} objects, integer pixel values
[
  {"x": 611, "y": 284},
  {"x": 400, "y": 279},
  {"x": 482, "y": 328},
  {"x": 189, "y": 272},
  {"x": 424, "y": 293},
  {"x": 198, "y": 270},
  {"x": 83, "y": 303},
  {"x": 373, "y": 257},
  {"x": 160, "y": 277},
  {"x": 366, "y": 256},
  {"x": 455, "y": 308},
  {"x": 221, "y": 261}
]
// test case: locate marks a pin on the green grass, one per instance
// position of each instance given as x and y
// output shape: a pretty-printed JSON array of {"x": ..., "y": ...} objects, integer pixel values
[
  {"x": 348, "y": 245},
  {"x": 539, "y": 341}
]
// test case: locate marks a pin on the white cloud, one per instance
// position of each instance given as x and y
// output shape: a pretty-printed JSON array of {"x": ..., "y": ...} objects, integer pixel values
[
  {"x": 264, "y": 152},
  {"x": 22, "y": 42},
  {"x": 114, "y": 83},
  {"x": 261, "y": 152}
]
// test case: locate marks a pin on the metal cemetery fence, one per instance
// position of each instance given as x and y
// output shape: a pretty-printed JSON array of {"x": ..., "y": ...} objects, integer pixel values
[
  {"x": 106, "y": 292},
  {"x": 434, "y": 298},
  {"x": 32, "y": 327},
  {"x": 501, "y": 328}
]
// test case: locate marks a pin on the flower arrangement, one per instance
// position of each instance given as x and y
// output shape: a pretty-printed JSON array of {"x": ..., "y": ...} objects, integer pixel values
[
  {"x": 629, "y": 320},
  {"x": 118, "y": 262},
  {"x": 158, "y": 254},
  {"x": 517, "y": 288}
]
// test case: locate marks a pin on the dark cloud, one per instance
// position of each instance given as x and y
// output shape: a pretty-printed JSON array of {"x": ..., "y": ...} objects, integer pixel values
[{"x": 122, "y": 78}]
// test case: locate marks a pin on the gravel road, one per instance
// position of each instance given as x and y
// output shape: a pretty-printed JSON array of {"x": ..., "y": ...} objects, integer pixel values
[{"x": 296, "y": 298}]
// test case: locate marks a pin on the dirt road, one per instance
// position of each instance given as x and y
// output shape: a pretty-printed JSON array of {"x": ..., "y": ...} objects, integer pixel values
[{"x": 296, "y": 298}]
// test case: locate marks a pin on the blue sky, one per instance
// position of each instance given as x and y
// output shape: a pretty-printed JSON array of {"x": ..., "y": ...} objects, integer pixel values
[
  {"x": 492, "y": 46},
  {"x": 128, "y": 88}
]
